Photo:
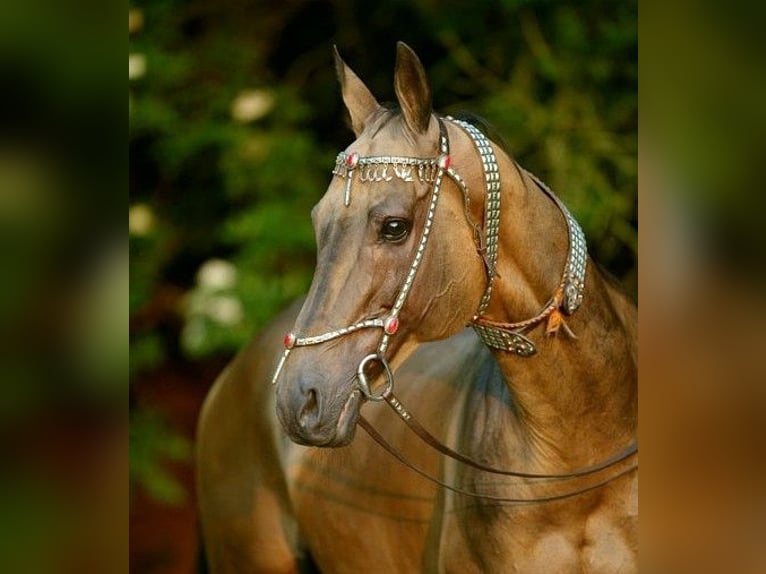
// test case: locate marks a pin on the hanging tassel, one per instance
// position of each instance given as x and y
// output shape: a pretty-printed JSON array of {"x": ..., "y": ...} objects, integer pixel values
[
  {"x": 352, "y": 160},
  {"x": 556, "y": 318}
]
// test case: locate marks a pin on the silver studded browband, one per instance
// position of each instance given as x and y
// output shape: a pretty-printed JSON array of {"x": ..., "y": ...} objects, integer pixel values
[
  {"x": 383, "y": 168},
  {"x": 507, "y": 337}
]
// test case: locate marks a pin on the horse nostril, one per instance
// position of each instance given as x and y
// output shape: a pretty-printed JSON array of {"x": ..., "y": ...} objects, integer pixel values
[{"x": 310, "y": 411}]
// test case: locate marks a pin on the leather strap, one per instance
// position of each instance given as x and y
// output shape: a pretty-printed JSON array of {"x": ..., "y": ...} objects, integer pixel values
[
  {"x": 377, "y": 437},
  {"x": 436, "y": 444}
]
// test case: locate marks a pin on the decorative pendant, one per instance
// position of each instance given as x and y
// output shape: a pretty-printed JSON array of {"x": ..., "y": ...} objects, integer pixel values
[
  {"x": 289, "y": 340},
  {"x": 352, "y": 160},
  {"x": 391, "y": 325},
  {"x": 510, "y": 341}
]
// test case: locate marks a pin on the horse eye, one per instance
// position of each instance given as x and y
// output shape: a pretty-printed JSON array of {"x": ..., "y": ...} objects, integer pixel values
[{"x": 394, "y": 230}]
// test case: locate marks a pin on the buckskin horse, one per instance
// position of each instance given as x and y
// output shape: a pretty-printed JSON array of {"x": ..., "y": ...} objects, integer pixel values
[{"x": 509, "y": 446}]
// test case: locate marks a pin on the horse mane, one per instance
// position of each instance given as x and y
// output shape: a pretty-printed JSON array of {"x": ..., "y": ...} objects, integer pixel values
[
  {"x": 614, "y": 282},
  {"x": 485, "y": 127},
  {"x": 393, "y": 110}
]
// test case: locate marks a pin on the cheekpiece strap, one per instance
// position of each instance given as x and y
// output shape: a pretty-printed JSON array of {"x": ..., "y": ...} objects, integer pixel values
[{"x": 491, "y": 204}]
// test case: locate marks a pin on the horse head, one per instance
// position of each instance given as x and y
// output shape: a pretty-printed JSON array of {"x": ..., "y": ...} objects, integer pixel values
[{"x": 393, "y": 270}]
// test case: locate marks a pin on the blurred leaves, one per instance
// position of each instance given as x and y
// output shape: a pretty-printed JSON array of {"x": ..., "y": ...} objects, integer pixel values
[{"x": 152, "y": 444}]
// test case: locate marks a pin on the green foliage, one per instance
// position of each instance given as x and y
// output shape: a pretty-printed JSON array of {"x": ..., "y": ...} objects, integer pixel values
[{"x": 152, "y": 445}]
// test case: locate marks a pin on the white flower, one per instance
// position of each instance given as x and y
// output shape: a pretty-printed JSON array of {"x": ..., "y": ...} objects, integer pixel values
[
  {"x": 251, "y": 105},
  {"x": 135, "y": 20},
  {"x": 136, "y": 66},
  {"x": 217, "y": 274},
  {"x": 140, "y": 219},
  {"x": 225, "y": 310},
  {"x": 194, "y": 334}
]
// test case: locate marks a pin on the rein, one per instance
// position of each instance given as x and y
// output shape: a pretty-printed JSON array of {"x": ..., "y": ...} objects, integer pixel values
[
  {"x": 433, "y": 442},
  {"x": 377, "y": 437},
  {"x": 507, "y": 337}
]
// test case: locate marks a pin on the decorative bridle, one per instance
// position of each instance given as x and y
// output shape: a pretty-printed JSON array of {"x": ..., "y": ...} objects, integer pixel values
[{"x": 508, "y": 337}]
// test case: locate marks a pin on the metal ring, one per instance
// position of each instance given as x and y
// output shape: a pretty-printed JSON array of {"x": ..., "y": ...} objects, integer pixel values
[{"x": 364, "y": 385}]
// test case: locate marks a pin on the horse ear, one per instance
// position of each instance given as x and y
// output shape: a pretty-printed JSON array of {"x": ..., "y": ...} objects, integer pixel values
[
  {"x": 359, "y": 101},
  {"x": 412, "y": 89}
]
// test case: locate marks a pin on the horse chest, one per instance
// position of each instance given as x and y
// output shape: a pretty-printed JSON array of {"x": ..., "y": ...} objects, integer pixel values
[
  {"x": 529, "y": 540},
  {"x": 352, "y": 511}
]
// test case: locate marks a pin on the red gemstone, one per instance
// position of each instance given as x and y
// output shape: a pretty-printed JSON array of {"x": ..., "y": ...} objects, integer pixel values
[
  {"x": 391, "y": 325},
  {"x": 289, "y": 340},
  {"x": 445, "y": 161},
  {"x": 352, "y": 159}
]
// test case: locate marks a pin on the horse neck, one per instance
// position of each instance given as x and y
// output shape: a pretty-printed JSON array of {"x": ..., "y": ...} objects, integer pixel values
[{"x": 576, "y": 398}]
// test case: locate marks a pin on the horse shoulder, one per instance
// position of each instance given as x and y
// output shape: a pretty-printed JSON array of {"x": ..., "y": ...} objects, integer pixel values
[
  {"x": 561, "y": 538},
  {"x": 242, "y": 494},
  {"x": 611, "y": 532},
  {"x": 596, "y": 533}
]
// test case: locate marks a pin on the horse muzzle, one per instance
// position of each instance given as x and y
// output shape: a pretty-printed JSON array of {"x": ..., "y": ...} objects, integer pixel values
[{"x": 313, "y": 416}]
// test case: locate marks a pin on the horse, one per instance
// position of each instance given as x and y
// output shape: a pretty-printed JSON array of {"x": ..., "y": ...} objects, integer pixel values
[{"x": 456, "y": 317}]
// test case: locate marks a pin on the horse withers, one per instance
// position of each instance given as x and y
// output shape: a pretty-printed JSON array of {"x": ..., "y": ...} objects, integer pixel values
[{"x": 508, "y": 446}]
